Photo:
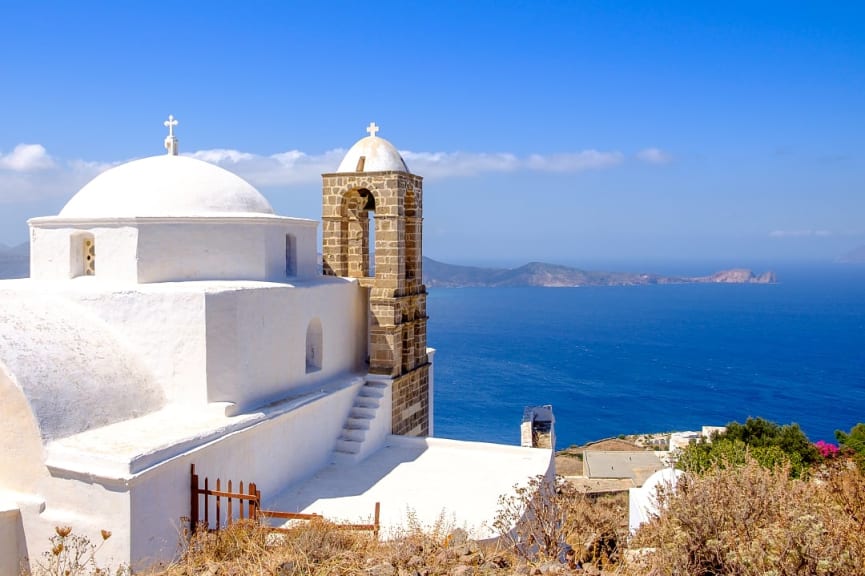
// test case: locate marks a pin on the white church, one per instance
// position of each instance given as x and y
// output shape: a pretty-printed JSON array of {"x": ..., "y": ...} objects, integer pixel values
[{"x": 172, "y": 319}]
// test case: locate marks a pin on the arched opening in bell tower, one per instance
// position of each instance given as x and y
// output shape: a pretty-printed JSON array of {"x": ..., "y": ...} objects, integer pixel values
[
  {"x": 413, "y": 238},
  {"x": 360, "y": 219}
]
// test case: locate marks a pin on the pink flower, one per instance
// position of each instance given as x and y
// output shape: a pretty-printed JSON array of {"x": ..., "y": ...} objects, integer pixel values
[{"x": 826, "y": 449}]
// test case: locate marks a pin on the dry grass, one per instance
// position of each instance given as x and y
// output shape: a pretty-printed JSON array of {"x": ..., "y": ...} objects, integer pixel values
[
  {"x": 246, "y": 547},
  {"x": 751, "y": 520},
  {"x": 319, "y": 548}
]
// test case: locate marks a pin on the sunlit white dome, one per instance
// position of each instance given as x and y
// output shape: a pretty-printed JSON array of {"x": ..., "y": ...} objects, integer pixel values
[
  {"x": 166, "y": 185},
  {"x": 378, "y": 155}
]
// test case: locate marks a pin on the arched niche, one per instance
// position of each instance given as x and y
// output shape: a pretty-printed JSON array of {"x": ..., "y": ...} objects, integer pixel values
[{"x": 314, "y": 346}]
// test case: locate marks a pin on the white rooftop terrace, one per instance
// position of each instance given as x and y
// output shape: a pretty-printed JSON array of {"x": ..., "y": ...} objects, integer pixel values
[{"x": 426, "y": 478}]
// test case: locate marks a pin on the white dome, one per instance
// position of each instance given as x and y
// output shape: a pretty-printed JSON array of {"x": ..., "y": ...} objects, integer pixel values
[
  {"x": 379, "y": 156},
  {"x": 165, "y": 186}
]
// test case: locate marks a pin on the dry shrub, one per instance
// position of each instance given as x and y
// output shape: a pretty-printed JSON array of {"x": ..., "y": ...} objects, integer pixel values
[
  {"x": 752, "y": 520},
  {"x": 247, "y": 547},
  {"x": 596, "y": 526},
  {"x": 532, "y": 519},
  {"x": 545, "y": 517},
  {"x": 415, "y": 544}
]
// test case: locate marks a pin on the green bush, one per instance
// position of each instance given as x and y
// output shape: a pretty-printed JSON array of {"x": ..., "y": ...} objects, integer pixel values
[
  {"x": 766, "y": 442},
  {"x": 854, "y": 442}
]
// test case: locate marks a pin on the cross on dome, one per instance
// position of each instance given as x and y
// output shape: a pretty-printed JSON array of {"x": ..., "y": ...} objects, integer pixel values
[
  {"x": 372, "y": 129},
  {"x": 170, "y": 123},
  {"x": 171, "y": 139}
]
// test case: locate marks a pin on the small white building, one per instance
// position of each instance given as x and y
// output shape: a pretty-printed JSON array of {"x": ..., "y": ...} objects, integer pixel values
[{"x": 171, "y": 318}]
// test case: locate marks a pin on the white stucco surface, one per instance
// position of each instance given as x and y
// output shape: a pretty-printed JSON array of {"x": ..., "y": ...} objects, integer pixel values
[
  {"x": 427, "y": 477},
  {"x": 165, "y": 186},
  {"x": 379, "y": 156},
  {"x": 643, "y": 501},
  {"x": 73, "y": 372}
]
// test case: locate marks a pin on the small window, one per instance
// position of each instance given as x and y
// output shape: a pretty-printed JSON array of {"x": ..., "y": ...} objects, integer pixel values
[
  {"x": 290, "y": 255},
  {"x": 82, "y": 254},
  {"x": 313, "y": 346},
  {"x": 89, "y": 248}
]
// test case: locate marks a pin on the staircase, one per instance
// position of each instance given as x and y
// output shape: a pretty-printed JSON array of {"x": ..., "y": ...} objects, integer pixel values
[{"x": 355, "y": 442}]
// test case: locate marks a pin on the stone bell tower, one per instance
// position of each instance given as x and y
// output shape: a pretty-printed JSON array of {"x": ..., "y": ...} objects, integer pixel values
[{"x": 372, "y": 230}]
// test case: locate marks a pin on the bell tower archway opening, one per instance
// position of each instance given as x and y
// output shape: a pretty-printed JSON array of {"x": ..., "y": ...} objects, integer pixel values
[{"x": 359, "y": 220}]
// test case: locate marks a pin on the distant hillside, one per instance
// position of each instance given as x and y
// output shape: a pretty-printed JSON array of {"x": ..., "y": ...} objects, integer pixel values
[
  {"x": 15, "y": 261},
  {"x": 439, "y": 274},
  {"x": 855, "y": 256}
]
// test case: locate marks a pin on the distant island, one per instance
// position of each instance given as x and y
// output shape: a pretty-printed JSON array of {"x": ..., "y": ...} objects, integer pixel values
[{"x": 440, "y": 275}]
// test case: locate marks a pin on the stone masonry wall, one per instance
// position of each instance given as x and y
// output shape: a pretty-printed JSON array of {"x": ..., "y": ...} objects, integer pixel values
[{"x": 411, "y": 403}]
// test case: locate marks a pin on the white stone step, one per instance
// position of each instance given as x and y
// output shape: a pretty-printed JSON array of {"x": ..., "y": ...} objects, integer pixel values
[
  {"x": 358, "y": 423},
  {"x": 362, "y": 412},
  {"x": 372, "y": 391},
  {"x": 356, "y": 434},
  {"x": 366, "y": 402}
]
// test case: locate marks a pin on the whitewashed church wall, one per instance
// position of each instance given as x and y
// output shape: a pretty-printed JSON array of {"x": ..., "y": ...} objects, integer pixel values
[
  {"x": 173, "y": 252},
  {"x": 256, "y": 339},
  {"x": 54, "y": 252},
  {"x": 274, "y": 454},
  {"x": 166, "y": 329},
  {"x": 304, "y": 252},
  {"x": 88, "y": 508},
  {"x": 50, "y": 254}
]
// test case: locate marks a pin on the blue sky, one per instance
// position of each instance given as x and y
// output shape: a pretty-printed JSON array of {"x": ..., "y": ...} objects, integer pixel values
[{"x": 574, "y": 132}]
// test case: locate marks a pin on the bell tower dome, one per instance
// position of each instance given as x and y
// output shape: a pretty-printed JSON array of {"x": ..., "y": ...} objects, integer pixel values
[{"x": 372, "y": 214}]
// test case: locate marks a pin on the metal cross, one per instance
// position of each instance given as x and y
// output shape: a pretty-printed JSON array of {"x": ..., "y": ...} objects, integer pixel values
[
  {"x": 170, "y": 124},
  {"x": 372, "y": 129}
]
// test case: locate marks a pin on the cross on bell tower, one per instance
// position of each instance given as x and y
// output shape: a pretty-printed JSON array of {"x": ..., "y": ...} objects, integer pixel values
[{"x": 372, "y": 228}]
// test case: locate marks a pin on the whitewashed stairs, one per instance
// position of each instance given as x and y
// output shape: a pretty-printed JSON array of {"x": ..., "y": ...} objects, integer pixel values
[{"x": 351, "y": 446}]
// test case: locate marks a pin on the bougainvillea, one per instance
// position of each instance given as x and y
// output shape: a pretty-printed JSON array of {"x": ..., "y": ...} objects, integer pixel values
[{"x": 826, "y": 449}]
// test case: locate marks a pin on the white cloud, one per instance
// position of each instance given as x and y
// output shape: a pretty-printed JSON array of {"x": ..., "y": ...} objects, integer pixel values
[
  {"x": 573, "y": 161},
  {"x": 294, "y": 166},
  {"x": 654, "y": 156},
  {"x": 450, "y": 164},
  {"x": 284, "y": 168},
  {"x": 59, "y": 183},
  {"x": 26, "y": 158},
  {"x": 221, "y": 156},
  {"x": 800, "y": 233},
  {"x": 30, "y": 174}
]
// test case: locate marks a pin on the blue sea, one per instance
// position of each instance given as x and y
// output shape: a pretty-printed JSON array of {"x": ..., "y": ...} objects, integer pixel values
[{"x": 624, "y": 360}]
